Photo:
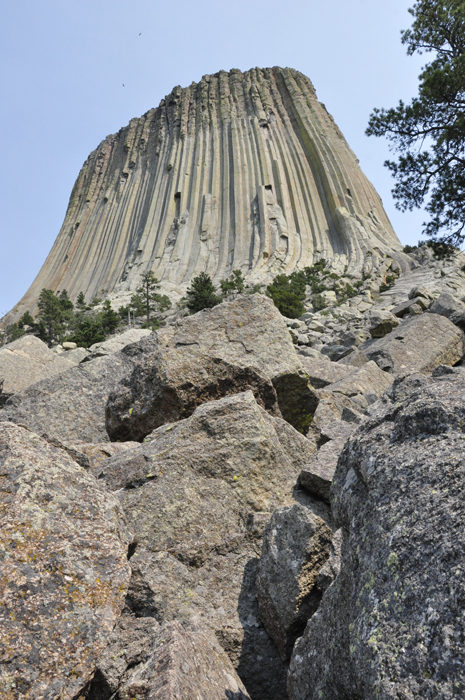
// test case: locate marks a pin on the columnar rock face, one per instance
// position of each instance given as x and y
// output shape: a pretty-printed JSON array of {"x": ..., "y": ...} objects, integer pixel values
[{"x": 239, "y": 171}]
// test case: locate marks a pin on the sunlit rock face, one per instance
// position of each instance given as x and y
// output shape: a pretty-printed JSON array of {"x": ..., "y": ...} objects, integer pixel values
[{"x": 239, "y": 171}]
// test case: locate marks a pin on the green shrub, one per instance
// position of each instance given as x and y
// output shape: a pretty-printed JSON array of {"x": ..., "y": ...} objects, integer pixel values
[
  {"x": 287, "y": 293},
  {"x": 234, "y": 283},
  {"x": 202, "y": 294}
]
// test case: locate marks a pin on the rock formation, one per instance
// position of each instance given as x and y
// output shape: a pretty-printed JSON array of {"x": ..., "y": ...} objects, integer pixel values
[
  {"x": 392, "y": 624},
  {"x": 283, "y": 519},
  {"x": 240, "y": 171}
]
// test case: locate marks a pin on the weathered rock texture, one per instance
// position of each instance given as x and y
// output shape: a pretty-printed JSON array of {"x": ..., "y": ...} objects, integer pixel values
[
  {"x": 63, "y": 569},
  {"x": 296, "y": 545},
  {"x": 419, "y": 345},
  {"x": 28, "y": 360},
  {"x": 70, "y": 407},
  {"x": 392, "y": 627},
  {"x": 228, "y": 349},
  {"x": 186, "y": 662},
  {"x": 239, "y": 171},
  {"x": 197, "y": 494}
]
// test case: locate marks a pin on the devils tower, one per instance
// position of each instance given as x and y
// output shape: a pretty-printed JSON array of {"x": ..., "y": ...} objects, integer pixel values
[{"x": 239, "y": 171}]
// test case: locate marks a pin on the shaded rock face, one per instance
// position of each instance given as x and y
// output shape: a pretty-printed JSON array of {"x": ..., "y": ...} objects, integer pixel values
[
  {"x": 63, "y": 568},
  {"x": 296, "y": 546},
  {"x": 197, "y": 494},
  {"x": 233, "y": 347},
  {"x": 391, "y": 626},
  {"x": 70, "y": 406},
  {"x": 164, "y": 194}
]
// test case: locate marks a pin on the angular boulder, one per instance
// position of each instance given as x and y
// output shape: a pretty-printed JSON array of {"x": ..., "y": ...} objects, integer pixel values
[
  {"x": 70, "y": 408},
  {"x": 170, "y": 383},
  {"x": 322, "y": 373},
  {"x": 403, "y": 309},
  {"x": 28, "y": 360},
  {"x": 380, "y": 323},
  {"x": 391, "y": 626},
  {"x": 64, "y": 564},
  {"x": 116, "y": 343},
  {"x": 195, "y": 493},
  {"x": 420, "y": 344},
  {"x": 248, "y": 332},
  {"x": 349, "y": 397},
  {"x": 130, "y": 644},
  {"x": 317, "y": 476},
  {"x": 450, "y": 307},
  {"x": 296, "y": 545},
  {"x": 185, "y": 662}
]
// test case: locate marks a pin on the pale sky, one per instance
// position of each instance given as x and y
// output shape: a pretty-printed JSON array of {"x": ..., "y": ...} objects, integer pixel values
[{"x": 64, "y": 63}]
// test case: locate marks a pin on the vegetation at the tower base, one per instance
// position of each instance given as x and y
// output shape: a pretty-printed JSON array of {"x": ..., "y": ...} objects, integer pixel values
[
  {"x": 234, "y": 283},
  {"x": 288, "y": 294},
  {"x": 202, "y": 294},
  {"x": 290, "y": 291},
  {"x": 428, "y": 134},
  {"x": 147, "y": 297}
]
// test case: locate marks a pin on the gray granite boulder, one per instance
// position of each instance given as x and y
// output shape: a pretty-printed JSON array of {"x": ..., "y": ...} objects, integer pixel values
[
  {"x": 63, "y": 564},
  {"x": 296, "y": 545},
  {"x": 116, "y": 343},
  {"x": 403, "y": 309},
  {"x": 322, "y": 373},
  {"x": 380, "y": 323},
  {"x": 450, "y": 307},
  {"x": 129, "y": 645},
  {"x": 250, "y": 332},
  {"x": 419, "y": 344},
  {"x": 391, "y": 625},
  {"x": 170, "y": 383},
  {"x": 28, "y": 360},
  {"x": 186, "y": 661},
  {"x": 70, "y": 407},
  {"x": 317, "y": 476},
  {"x": 349, "y": 397},
  {"x": 197, "y": 493}
]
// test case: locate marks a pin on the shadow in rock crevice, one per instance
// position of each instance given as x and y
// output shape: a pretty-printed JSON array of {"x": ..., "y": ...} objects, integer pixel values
[{"x": 257, "y": 660}]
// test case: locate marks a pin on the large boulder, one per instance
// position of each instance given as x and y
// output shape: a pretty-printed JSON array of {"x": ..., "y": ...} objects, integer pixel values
[
  {"x": 197, "y": 494},
  {"x": 170, "y": 383},
  {"x": 391, "y": 626},
  {"x": 71, "y": 406},
  {"x": 450, "y": 307},
  {"x": 418, "y": 345},
  {"x": 116, "y": 343},
  {"x": 351, "y": 395},
  {"x": 323, "y": 372},
  {"x": 63, "y": 567},
  {"x": 296, "y": 545},
  {"x": 186, "y": 661},
  {"x": 248, "y": 333},
  {"x": 28, "y": 360}
]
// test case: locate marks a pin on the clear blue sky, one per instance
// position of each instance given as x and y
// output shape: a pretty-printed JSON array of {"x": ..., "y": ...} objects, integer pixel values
[{"x": 64, "y": 63}]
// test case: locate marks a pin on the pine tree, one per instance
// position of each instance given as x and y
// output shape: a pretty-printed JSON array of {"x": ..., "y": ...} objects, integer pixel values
[
  {"x": 429, "y": 133},
  {"x": 146, "y": 295},
  {"x": 202, "y": 294},
  {"x": 50, "y": 317}
]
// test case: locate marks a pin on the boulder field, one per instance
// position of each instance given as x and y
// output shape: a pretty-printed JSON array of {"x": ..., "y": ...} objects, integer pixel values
[{"x": 217, "y": 510}]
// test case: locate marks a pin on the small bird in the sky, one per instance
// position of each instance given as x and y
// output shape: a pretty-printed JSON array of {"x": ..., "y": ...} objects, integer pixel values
[
  {"x": 124, "y": 85},
  {"x": 140, "y": 33}
]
